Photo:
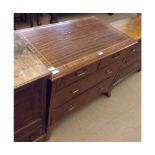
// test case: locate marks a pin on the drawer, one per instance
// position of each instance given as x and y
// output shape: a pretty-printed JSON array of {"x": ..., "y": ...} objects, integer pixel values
[
  {"x": 112, "y": 58},
  {"x": 79, "y": 74},
  {"x": 30, "y": 136},
  {"x": 82, "y": 99},
  {"x": 80, "y": 86}
]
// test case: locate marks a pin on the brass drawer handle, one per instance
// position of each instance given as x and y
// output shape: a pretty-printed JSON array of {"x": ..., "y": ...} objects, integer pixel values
[
  {"x": 116, "y": 56},
  {"x": 71, "y": 108},
  {"x": 102, "y": 89},
  {"x": 109, "y": 72},
  {"x": 80, "y": 74},
  {"x": 133, "y": 50},
  {"x": 75, "y": 91}
]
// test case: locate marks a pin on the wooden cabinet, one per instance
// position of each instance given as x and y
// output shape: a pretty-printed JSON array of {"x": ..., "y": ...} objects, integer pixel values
[{"x": 29, "y": 111}]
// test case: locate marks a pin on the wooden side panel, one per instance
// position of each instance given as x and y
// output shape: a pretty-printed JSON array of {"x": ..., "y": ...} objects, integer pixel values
[{"x": 29, "y": 110}]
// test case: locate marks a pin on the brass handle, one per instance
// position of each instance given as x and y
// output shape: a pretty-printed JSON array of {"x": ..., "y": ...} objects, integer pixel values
[
  {"x": 71, "y": 108},
  {"x": 75, "y": 91},
  {"x": 133, "y": 50},
  {"x": 116, "y": 56},
  {"x": 109, "y": 72},
  {"x": 81, "y": 74},
  {"x": 102, "y": 89}
]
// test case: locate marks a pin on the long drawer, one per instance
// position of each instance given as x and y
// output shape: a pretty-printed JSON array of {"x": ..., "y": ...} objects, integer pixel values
[
  {"x": 77, "y": 75},
  {"x": 85, "y": 97},
  {"x": 80, "y": 86}
]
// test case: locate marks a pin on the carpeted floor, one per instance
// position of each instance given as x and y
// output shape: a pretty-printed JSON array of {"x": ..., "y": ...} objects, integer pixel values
[{"x": 117, "y": 118}]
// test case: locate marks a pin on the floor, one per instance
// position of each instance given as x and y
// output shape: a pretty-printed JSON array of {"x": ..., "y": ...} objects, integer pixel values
[{"x": 117, "y": 118}]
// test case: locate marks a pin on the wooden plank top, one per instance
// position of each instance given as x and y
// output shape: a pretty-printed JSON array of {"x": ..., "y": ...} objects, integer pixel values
[
  {"x": 27, "y": 66},
  {"x": 129, "y": 26},
  {"x": 72, "y": 44}
]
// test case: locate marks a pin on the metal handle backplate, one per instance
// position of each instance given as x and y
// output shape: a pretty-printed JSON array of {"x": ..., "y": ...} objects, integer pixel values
[
  {"x": 75, "y": 91},
  {"x": 116, "y": 56},
  {"x": 71, "y": 107},
  {"x": 109, "y": 72}
]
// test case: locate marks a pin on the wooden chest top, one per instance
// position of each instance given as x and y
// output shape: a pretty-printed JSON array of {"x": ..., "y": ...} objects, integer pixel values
[
  {"x": 129, "y": 26},
  {"x": 69, "y": 45}
]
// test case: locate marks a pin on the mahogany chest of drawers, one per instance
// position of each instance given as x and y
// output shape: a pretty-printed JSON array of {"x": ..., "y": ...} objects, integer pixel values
[
  {"x": 132, "y": 61},
  {"x": 84, "y": 57}
]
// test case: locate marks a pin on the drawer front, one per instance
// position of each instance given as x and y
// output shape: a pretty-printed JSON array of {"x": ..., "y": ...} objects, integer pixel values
[
  {"x": 85, "y": 97},
  {"x": 75, "y": 89},
  {"x": 79, "y": 74},
  {"x": 24, "y": 136},
  {"x": 112, "y": 58}
]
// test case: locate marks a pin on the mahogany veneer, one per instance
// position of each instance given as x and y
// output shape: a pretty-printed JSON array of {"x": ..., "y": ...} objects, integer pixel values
[{"x": 84, "y": 57}]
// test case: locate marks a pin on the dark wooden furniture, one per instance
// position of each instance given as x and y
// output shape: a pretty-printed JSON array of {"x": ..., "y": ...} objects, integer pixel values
[
  {"x": 83, "y": 62},
  {"x": 132, "y": 61},
  {"x": 29, "y": 111},
  {"x": 29, "y": 95},
  {"x": 24, "y": 17},
  {"x": 53, "y": 17}
]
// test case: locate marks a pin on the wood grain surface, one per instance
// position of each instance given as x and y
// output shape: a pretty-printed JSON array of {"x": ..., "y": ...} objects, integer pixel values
[
  {"x": 69, "y": 45},
  {"x": 27, "y": 66},
  {"x": 129, "y": 26}
]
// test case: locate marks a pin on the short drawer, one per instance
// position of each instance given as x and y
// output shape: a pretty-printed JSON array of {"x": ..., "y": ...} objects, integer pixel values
[
  {"x": 79, "y": 74},
  {"x": 80, "y": 100},
  {"x": 80, "y": 86},
  {"x": 30, "y": 136},
  {"x": 112, "y": 58}
]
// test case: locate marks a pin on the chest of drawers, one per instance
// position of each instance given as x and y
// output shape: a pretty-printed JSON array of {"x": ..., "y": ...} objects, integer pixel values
[
  {"x": 84, "y": 57},
  {"x": 132, "y": 61}
]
